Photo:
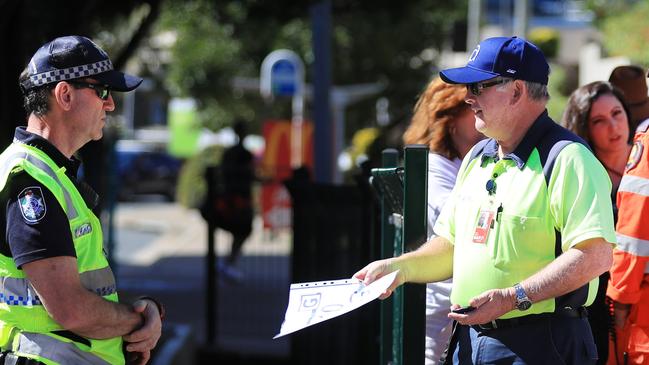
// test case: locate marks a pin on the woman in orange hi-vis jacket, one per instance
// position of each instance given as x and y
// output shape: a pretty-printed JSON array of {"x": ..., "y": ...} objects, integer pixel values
[{"x": 629, "y": 283}]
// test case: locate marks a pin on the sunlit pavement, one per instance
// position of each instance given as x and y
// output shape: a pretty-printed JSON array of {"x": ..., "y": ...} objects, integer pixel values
[
  {"x": 160, "y": 251},
  {"x": 146, "y": 232}
]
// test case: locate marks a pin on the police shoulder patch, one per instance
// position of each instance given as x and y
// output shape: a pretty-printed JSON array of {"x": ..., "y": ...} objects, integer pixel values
[
  {"x": 635, "y": 155},
  {"x": 82, "y": 230},
  {"x": 32, "y": 204}
]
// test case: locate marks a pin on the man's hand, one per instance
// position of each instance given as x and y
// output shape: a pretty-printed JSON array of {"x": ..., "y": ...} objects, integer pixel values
[
  {"x": 138, "y": 358},
  {"x": 488, "y": 306},
  {"x": 377, "y": 270},
  {"x": 144, "y": 339}
]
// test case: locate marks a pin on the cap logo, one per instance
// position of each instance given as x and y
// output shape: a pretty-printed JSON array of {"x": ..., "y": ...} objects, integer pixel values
[
  {"x": 510, "y": 71},
  {"x": 71, "y": 73},
  {"x": 474, "y": 54}
]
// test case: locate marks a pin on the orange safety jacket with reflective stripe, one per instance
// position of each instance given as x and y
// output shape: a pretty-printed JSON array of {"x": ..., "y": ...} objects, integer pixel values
[{"x": 629, "y": 281}]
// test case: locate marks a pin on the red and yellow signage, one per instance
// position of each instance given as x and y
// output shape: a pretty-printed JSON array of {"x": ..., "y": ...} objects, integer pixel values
[{"x": 276, "y": 166}]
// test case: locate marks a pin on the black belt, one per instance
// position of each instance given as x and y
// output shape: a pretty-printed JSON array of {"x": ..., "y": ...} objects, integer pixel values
[{"x": 566, "y": 312}]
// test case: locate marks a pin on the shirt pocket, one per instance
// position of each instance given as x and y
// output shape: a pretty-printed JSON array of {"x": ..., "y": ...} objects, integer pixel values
[{"x": 519, "y": 239}]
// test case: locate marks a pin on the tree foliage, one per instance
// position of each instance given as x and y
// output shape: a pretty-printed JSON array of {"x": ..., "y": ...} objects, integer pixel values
[
  {"x": 624, "y": 27},
  {"x": 380, "y": 41},
  {"x": 627, "y": 33}
]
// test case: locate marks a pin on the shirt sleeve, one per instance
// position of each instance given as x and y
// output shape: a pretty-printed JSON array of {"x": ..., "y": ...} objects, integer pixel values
[
  {"x": 37, "y": 227},
  {"x": 580, "y": 199}
]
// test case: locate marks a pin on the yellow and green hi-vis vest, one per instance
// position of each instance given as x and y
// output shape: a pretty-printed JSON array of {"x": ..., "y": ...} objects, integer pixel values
[{"x": 25, "y": 326}]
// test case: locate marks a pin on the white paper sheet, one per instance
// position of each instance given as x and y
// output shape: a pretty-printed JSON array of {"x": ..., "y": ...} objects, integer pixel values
[{"x": 311, "y": 303}]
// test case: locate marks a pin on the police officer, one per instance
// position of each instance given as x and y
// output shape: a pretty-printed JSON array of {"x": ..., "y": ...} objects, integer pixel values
[
  {"x": 523, "y": 276},
  {"x": 59, "y": 303}
]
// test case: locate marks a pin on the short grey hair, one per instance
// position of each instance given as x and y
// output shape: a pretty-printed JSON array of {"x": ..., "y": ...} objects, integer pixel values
[{"x": 536, "y": 91}]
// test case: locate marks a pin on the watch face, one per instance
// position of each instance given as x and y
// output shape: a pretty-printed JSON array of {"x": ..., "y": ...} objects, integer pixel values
[{"x": 524, "y": 305}]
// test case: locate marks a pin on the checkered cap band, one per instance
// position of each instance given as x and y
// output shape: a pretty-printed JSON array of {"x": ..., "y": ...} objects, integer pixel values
[{"x": 71, "y": 73}]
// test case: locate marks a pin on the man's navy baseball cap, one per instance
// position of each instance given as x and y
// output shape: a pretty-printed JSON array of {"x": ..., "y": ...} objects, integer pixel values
[
  {"x": 73, "y": 57},
  {"x": 510, "y": 57}
]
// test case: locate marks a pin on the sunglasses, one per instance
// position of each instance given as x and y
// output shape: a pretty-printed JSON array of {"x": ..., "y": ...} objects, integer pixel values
[
  {"x": 102, "y": 91},
  {"x": 476, "y": 88}
]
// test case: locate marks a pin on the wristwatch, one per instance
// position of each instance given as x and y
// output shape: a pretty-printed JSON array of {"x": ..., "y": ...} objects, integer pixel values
[{"x": 523, "y": 302}]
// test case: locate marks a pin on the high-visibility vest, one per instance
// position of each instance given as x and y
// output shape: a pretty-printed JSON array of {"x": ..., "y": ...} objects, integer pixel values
[
  {"x": 631, "y": 256},
  {"x": 25, "y": 326},
  {"x": 629, "y": 282}
]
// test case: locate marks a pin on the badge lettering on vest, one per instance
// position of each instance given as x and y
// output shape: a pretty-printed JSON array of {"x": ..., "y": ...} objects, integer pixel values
[
  {"x": 32, "y": 204},
  {"x": 82, "y": 230}
]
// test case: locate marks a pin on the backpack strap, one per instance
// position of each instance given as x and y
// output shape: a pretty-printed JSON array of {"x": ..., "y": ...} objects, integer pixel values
[{"x": 553, "y": 142}]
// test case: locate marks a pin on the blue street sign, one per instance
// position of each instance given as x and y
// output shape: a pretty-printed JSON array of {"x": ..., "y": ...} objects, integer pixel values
[
  {"x": 282, "y": 74},
  {"x": 283, "y": 78}
]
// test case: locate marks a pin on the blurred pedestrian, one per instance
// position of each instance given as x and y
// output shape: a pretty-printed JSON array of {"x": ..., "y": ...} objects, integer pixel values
[
  {"x": 59, "y": 300},
  {"x": 444, "y": 122},
  {"x": 632, "y": 81},
  {"x": 597, "y": 113},
  {"x": 520, "y": 281},
  {"x": 234, "y": 206}
]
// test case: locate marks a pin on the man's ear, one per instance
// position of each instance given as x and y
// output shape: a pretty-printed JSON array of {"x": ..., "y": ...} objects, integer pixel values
[
  {"x": 519, "y": 89},
  {"x": 63, "y": 95}
]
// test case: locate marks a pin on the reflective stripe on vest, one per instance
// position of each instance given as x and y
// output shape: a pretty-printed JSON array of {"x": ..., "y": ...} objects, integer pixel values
[
  {"x": 632, "y": 245},
  {"x": 634, "y": 184},
  {"x": 62, "y": 352},
  {"x": 71, "y": 211},
  {"x": 19, "y": 291}
]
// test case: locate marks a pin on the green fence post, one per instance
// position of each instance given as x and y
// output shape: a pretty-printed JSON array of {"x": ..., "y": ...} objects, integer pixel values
[
  {"x": 390, "y": 158},
  {"x": 414, "y": 234},
  {"x": 397, "y": 296}
]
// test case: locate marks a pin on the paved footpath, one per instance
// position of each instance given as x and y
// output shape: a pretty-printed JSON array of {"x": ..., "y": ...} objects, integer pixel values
[
  {"x": 147, "y": 232},
  {"x": 160, "y": 251}
]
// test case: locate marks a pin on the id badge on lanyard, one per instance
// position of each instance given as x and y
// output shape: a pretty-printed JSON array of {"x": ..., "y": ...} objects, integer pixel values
[
  {"x": 488, "y": 213},
  {"x": 484, "y": 224}
]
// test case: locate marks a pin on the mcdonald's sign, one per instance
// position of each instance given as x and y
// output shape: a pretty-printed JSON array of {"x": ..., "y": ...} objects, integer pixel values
[{"x": 276, "y": 166}]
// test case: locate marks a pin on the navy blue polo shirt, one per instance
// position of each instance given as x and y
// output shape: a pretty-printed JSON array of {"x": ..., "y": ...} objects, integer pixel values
[{"x": 32, "y": 235}]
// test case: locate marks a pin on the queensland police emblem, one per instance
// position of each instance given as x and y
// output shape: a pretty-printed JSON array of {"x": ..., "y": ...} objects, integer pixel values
[{"x": 32, "y": 204}]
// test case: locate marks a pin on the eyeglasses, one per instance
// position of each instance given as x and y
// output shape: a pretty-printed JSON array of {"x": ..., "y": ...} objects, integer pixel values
[
  {"x": 102, "y": 91},
  {"x": 476, "y": 88}
]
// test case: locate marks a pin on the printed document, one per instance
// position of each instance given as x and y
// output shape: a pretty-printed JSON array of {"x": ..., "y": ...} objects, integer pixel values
[{"x": 315, "y": 302}]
